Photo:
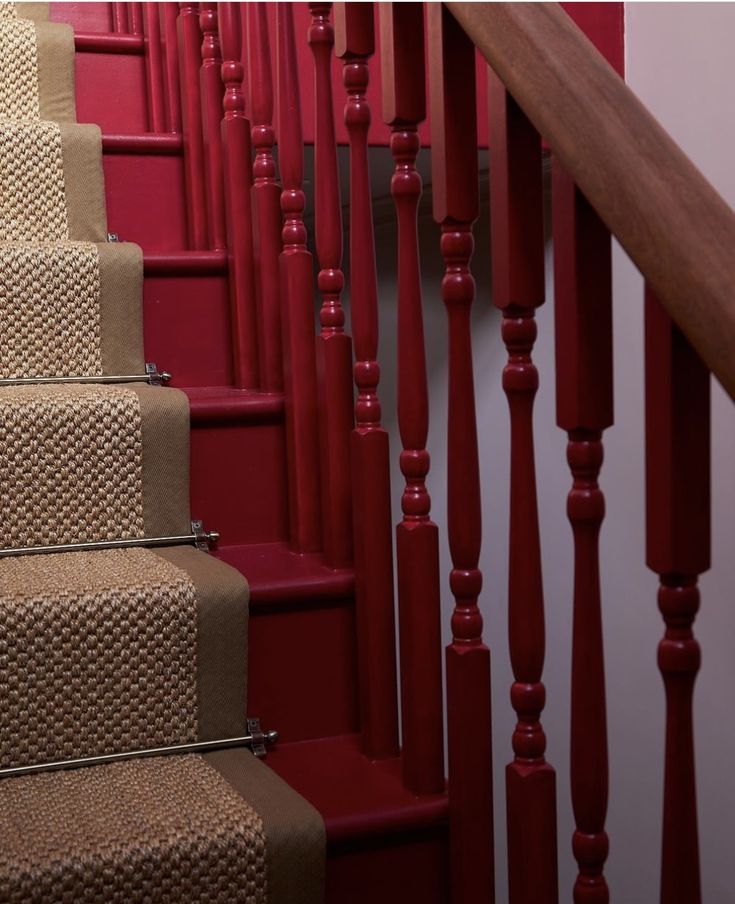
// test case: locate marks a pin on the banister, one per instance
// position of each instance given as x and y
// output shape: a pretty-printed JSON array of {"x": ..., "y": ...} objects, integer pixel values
[{"x": 676, "y": 228}]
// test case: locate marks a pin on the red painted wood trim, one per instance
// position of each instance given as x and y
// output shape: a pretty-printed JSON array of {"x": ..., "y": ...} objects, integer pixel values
[
  {"x": 584, "y": 362},
  {"x": 94, "y": 42},
  {"x": 224, "y": 405},
  {"x": 678, "y": 549},
  {"x": 236, "y": 151},
  {"x": 154, "y": 67},
  {"x": 212, "y": 93},
  {"x": 334, "y": 348},
  {"x": 190, "y": 60},
  {"x": 120, "y": 18},
  {"x": 178, "y": 263},
  {"x": 456, "y": 204},
  {"x": 266, "y": 201},
  {"x": 135, "y": 15},
  {"x": 155, "y": 144},
  {"x": 296, "y": 270},
  {"x": 417, "y": 537},
  {"x": 169, "y": 13},
  {"x": 355, "y": 43},
  {"x": 517, "y": 238}
]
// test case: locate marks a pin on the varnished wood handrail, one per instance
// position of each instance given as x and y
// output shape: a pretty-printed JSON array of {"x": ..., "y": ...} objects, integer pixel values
[{"x": 676, "y": 228}]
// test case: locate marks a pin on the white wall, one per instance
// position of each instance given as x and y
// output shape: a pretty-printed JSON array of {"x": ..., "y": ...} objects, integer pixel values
[{"x": 680, "y": 61}]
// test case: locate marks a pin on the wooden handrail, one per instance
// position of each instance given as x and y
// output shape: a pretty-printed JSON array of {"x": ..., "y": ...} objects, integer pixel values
[{"x": 676, "y": 228}]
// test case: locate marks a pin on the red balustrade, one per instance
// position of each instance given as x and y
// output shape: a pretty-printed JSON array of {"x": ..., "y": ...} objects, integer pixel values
[
  {"x": 172, "y": 90},
  {"x": 120, "y": 18},
  {"x": 154, "y": 66},
  {"x": 334, "y": 348},
  {"x": 584, "y": 404},
  {"x": 355, "y": 44},
  {"x": 212, "y": 90},
  {"x": 190, "y": 59},
  {"x": 135, "y": 16},
  {"x": 516, "y": 215},
  {"x": 296, "y": 272},
  {"x": 678, "y": 549},
  {"x": 417, "y": 537},
  {"x": 236, "y": 157},
  {"x": 456, "y": 204},
  {"x": 266, "y": 201}
]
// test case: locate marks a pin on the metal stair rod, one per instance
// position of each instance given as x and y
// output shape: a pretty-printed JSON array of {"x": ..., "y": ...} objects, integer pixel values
[
  {"x": 198, "y": 537},
  {"x": 256, "y": 739},
  {"x": 152, "y": 375}
]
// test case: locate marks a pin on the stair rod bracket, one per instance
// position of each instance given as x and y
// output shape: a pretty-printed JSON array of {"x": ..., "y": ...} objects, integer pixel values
[
  {"x": 199, "y": 537},
  {"x": 152, "y": 375},
  {"x": 255, "y": 738}
]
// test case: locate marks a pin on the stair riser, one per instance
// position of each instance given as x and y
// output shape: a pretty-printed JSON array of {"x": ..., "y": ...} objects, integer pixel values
[
  {"x": 238, "y": 481},
  {"x": 83, "y": 16},
  {"x": 187, "y": 328},
  {"x": 111, "y": 91},
  {"x": 414, "y": 867},
  {"x": 145, "y": 199},
  {"x": 315, "y": 647}
]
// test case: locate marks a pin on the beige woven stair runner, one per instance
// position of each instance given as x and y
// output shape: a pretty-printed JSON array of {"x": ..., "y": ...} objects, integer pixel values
[{"x": 117, "y": 649}]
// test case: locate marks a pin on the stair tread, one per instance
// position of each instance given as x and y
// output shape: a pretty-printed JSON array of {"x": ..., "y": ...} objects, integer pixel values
[
  {"x": 210, "y": 404},
  {"x": 355, "y": 796},
  {"x": 276, "y": 574}
]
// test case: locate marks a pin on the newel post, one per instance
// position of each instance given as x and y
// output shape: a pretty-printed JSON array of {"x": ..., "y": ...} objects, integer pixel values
[
  {"x": 355, "y": 44},
  {"x": 417, "y": 537},
  {"x": 456, "y": 205},
  {"x": 236, "y": 170}
]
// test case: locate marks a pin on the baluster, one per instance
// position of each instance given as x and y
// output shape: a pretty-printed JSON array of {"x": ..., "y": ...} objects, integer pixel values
[
  {"x": 136, "y": 18},
  {"x": 120, "y": 18},
  {"x": 190, "y": 58},
  {"x": 212, "y": 91},
  {"x": 235, "y": 161},
  {"x": 298, "y": 305},
  {"x": 154, "y": 67},
  {"x": 266, "y": 201},
  {"x": 584, "y": 403},
  {"x": 516, "y": 215},
  {"x": 170, "y": 17},
  {"x": 456, "y": 204},
  {"x": 678, "y": 549},
  {"x": 417, "y": 537},
  {"x": 334, "y": 348},
  {"x": 355, "y": 44}
]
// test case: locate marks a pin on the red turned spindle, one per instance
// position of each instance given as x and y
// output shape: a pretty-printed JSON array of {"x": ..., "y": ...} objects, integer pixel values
[
  {"x": 212, "y": 91},
  {"x": 456, "y": 204},
  {"x": 120, "y": 18},
  {"x": 266, "y": 199},
  {"x": 678, "y": 549},
  {"x": 417, "y": 537},
  {"x": 190, "y": 60},
  {"x": 236, "y": 160},
  {"x": 584, "y": 404},
  {"x": 334, "y": 348},
  {"x": 516, "y": 215},
  {"x": 296, "y": 271},
  {"x": 154, "y": 67},
  {"x": 172, "y": 89},
  {"x": 136, "y": 18},
  {"x": 355, "y": 44}
]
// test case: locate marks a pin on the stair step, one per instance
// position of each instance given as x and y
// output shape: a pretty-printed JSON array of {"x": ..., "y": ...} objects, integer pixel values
[
  {"x": 357, "y": 797},
  {"x": 279, "y": 576},
  {"x": 226, "y": 405}
]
